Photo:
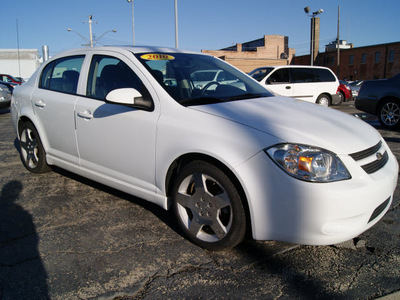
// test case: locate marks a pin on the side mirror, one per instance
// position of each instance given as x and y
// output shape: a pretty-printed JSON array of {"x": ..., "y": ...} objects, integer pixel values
[{"x": 130, "y": 97}]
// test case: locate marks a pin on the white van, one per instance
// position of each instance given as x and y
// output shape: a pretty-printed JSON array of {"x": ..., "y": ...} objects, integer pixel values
[{"x": 313, "y": 84}]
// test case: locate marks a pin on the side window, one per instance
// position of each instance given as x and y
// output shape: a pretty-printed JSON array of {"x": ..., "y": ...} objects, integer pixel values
[
  {"x": 323, "y": 75},
  {"x": 279, "y": 76},
  {"x": 109, "y": 73},
  {"x": 62, "y": 75},
  {"x": 302, "y": 75}
]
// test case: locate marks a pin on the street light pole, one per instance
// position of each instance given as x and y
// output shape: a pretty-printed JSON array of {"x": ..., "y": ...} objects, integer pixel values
[
  {"x": 133, "y": 23},
  {"x": 90, "y": 41},
  {"x": 90, "y": 31},
  {"x": 313, "y": 21}
]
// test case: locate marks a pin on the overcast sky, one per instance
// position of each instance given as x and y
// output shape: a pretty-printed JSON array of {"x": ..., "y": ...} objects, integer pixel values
[{"x": 203, "y": 24}]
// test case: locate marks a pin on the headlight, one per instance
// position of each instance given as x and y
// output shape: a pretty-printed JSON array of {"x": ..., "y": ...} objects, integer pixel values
[{"x": 308, "y": 163}]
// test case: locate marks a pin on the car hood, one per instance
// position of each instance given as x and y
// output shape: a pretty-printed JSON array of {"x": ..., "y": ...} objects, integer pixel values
[{"x": 296, "y": 121}]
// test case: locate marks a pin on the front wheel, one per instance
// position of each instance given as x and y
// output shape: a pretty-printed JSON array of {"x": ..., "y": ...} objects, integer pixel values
[
  {"x": 389, "y": 113},
  {"x": 208, "y": 206},
  {"x": 32, "y": 152}
]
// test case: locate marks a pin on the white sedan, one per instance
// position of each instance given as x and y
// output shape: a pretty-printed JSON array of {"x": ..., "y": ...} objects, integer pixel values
[{"x": 228, "y": 161}]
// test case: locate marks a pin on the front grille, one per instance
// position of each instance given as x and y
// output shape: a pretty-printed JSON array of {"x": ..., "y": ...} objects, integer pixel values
[
  {"x": 379, "y": 210},
  {"x": 377, "y": 164},
  {"x": 367, "y": 152}
]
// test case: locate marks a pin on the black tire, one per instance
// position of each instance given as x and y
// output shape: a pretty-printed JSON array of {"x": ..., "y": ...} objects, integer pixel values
[
  {"x": 208, "y": 207},
  {"x": 389, "y": 113},
  {"x": 32, "y": 152},
  {"x": 342, "y": 98},
  {"x": 323, "y": 100}
]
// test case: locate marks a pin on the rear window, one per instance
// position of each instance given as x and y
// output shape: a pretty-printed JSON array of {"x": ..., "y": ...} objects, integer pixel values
[
  {"x": 302, "y": 75},
  {"x": 323, "y": 75},
  {"x": 62, "y": 75}
]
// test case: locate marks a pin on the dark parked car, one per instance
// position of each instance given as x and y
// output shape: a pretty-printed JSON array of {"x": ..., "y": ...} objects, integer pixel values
[
  {"x": 344, "y": 91},
  {"x": 8, "y": 85},
  {"x": 381, "y": 98}
]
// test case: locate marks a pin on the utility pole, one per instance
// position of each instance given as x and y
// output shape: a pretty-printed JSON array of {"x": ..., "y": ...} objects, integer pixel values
[
  {"x": 338, "y": 45},
  {"x": 176, "y": 23},
  {"x": 133, "y": 23}
]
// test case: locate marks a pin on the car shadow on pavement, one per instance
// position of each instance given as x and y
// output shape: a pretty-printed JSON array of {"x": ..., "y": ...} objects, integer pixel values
[
  {"x": 296, "y": 284},
  {"x": 22, "y": 274},
  {"x": 159, "y": 212}
]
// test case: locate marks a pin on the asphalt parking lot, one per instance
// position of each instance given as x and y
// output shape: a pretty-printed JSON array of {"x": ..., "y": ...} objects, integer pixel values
[{"x": 65, "y": 237}]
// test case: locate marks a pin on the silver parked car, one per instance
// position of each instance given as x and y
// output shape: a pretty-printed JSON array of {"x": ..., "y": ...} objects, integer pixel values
[{"x": 5, "y": 96}]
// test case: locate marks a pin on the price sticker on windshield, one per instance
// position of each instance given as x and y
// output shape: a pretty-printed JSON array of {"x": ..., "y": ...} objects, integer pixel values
[{"x": 152, "y": 56}]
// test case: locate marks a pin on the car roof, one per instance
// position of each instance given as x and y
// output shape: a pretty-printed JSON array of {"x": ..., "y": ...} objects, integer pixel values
[
  {"x": 133, "y": 49},
  {"x": 294, "y": 66}
]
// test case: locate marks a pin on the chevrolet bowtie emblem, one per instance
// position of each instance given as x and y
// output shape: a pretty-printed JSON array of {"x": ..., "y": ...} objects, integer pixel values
[{"x": 379, "y": 156}]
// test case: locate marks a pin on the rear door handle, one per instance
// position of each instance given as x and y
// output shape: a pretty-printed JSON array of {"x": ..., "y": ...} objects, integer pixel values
[
  {"x": 85, "y": 114},
  {"x": 40, "y": 103},
  {"x": 288, "y": 87}
]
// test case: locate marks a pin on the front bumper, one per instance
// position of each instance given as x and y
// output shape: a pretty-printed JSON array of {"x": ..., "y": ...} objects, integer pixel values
[{"x": 286, "y": 209}]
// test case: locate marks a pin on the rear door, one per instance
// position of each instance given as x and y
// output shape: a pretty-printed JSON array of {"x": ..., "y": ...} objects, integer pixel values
[{"x": 53, "y": 103}]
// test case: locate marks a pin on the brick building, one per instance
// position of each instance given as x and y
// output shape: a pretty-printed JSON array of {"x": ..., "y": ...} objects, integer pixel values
[
  {"x": 361, "y": 63},
  {"x": 267, "y": 51}
]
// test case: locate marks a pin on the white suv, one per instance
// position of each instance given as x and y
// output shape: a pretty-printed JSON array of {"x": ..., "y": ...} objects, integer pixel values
[
  {"x": 227, "y": 159},
  {"x": 313, "y": 84}
]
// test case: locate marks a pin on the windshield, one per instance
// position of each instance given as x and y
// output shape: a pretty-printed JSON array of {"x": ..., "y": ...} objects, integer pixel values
[{"x": 195, "y": 79}]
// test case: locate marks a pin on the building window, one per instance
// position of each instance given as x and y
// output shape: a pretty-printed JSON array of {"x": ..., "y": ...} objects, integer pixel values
[
  {"x": 391, "y": 55},
  {"x": 377, "y": 57},
  {"x": 351, "y": 59},
  {"x": 364, "y": 58}
]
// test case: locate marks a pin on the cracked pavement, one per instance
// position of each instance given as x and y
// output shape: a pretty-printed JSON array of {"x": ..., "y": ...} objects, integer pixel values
[{"x": 66, "y": 237}]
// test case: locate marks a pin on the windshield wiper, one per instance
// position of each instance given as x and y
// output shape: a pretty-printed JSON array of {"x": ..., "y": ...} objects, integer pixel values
[
  {"x": 245, "y": 96},
  {"x": 199, "y": 101},
  {"x": 212, "y": 100}
]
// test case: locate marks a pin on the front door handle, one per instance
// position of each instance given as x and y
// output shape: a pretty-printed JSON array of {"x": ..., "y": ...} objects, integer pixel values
[
  {"x": 86, "y": 114},
  {"x": 288, "y": 87}
]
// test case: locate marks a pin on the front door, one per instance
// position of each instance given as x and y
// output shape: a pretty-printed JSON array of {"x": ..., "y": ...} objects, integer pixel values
[{"x": 116, "y": 141}]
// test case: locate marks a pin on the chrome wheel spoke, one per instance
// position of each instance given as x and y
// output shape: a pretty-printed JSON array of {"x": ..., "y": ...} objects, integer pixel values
[
  {"x": 390, "y": 114},
  {"x": 219, "y": 229},
  {"x": 195, "y": 226}
]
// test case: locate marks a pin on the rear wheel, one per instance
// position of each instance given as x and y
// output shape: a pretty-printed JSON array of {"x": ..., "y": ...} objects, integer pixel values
[
  {"x": 208, "y": 206},
  {"x": 323, "y": 100},
  {"x": 389, "y": 113},
  {"x": 32, "y": 152}
]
